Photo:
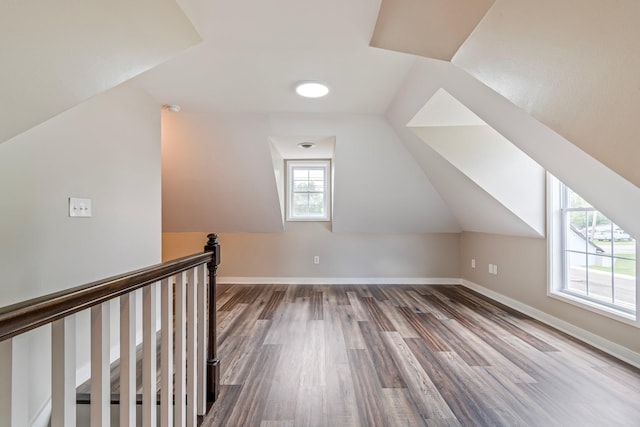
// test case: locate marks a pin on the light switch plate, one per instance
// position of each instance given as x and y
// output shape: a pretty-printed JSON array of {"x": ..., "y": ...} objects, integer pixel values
[{"x": 79, "y": 208}]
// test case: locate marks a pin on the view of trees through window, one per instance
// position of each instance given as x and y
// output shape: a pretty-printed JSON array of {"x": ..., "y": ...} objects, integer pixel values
[
  {"x": 308, "y": 191},
  {"x": 600, "y": 257}
]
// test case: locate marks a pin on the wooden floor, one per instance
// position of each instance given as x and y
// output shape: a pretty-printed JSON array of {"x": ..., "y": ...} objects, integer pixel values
[{"x": 406, "y": 356}]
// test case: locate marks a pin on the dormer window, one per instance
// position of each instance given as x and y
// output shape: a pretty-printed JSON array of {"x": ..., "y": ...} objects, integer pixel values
[{"x": 308, "y": 190}]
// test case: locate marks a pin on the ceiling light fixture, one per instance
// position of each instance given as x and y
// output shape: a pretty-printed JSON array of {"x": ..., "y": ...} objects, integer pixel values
[
  {"x": 174, "y": 108},
  {"x": 306, "y": 145},
  {"x": 312, "y": 89}
]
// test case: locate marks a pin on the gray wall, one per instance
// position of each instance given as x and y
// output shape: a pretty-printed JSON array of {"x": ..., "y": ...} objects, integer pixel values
[
  {"x": 522, "y": 276},
  {"x": 106, "y": 149},
  {"x": 342, "y": 255}
]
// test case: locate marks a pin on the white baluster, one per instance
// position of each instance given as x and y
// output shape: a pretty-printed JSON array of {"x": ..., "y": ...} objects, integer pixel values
[
  {"x": 13, "y": 387},
  {"x": 63, "y": 372},
  {"x": 149, "y": 355},
  {"x": 166, "y": 354},
  {"x": 128, "y": 311},
  {"x": 100, "y": 369},
  {"x": 191, "y": 349},
  {"x": 180, "y": 349},
  {"x": 202, "y": 339}
]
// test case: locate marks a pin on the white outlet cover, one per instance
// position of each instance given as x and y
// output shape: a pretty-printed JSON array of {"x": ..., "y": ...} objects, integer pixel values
[
  {"x": 473, "y": 263},
  {"x": 79, "y": 208}
]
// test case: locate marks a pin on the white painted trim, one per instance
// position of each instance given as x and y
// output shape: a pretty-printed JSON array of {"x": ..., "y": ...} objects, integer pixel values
[
  {"x": 338, "y": 280},
  {"x": 597, "y": 341},
  {"x": 43, "y": 416}
]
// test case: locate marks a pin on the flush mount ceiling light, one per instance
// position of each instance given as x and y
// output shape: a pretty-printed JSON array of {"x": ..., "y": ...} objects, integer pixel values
[
  {"x": 174, "y": 108},
  {"x": 312, "y": 89},
  {"x": 306, "y": 145}
]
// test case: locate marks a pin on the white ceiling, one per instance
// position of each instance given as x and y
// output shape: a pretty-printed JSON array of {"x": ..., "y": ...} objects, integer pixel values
[
  {"x": 574, "y": 70},
  {"x": 254, "y": 52}
]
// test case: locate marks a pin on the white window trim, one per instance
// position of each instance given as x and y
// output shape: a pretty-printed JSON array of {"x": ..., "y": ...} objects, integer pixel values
[
  {"x": 326, "y": 164},
  {"x": 555, "y": 264}
]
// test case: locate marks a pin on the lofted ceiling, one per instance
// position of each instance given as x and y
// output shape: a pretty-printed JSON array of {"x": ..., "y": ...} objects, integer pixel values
[
  {"x": 254, "y": 53},
  {"x": 551, "y": 83},
  {"x": 55, "y": 55}
]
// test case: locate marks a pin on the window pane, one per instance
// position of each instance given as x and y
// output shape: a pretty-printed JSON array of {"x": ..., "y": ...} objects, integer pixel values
[
  {"x": 575, "y": 201},
  {"x": 576, "y": 272},
  {"x": 300, "y": 174},
  {"x": 316, "y": 204},
  {"x": 624, "y": 268},
  {"x": 601, "y": 278},
  {"x": 307, "y": 191},
  {"x": 600, "y": 257},
  {"x": 300, "y": 204}
]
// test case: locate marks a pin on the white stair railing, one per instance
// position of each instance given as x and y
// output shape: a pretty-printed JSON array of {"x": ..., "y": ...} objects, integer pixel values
[{"x": 191, "y": 364}]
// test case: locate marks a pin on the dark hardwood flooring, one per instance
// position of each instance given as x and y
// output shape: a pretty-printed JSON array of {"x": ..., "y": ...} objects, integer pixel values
[{"x": 406, "y": 356}]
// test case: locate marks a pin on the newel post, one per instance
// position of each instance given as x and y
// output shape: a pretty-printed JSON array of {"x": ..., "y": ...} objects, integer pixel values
[{"x": 213, "y": 363}]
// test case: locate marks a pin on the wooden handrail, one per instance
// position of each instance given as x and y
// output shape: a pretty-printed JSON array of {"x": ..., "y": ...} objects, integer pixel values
[{"x": 21, "y": 317}]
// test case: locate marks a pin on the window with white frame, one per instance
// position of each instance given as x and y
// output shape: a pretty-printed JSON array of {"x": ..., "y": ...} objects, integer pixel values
[
  {"x": 308, "y": 190},
  {"x": 593, "y": 261}
]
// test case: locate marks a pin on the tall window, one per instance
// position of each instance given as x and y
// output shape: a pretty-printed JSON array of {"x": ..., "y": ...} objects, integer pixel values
[
  {"x": 595, "y": 260},
  {"x": 308, "y": 190}
]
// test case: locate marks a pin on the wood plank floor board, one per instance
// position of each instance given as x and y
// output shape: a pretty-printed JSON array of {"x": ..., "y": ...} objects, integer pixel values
[
  {"x": 371, "y": 408},
  {"x": 490, "y": 354},
  {"x": 315, "y": 305},
  {"x": 358, "y": 310},
  {"x": 242, "y": 361},
  {"x": 272, "y": 305},
  {"x": 249, "y": 407},
  {"x": 468, "y": 409},
  {"x": 429, "y": 402},
  {"x": 401, "y": 409},
  {"x": 342, "y": 409},
  {"x": 430, "y": 337},
  {"x": 409, "y": 355},
  {"x": 376, "y": 314},
  {"x": 386, "y": 368},
  {"x": 399, "y": 322},
  {"x": 470, "y": 355},
  {"x": 350, "y": 328}
]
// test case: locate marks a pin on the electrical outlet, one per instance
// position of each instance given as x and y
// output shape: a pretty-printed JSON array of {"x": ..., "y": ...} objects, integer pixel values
[
  {"x": 473, "y": 263},
  {"x": 79, "y": 207},
  {"x": 490, "y": 268},
  {"x": 316, "y": 259}
]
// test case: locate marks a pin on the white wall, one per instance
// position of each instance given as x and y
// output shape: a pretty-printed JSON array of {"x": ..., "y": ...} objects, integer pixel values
[{"x": 106, "y": 149}]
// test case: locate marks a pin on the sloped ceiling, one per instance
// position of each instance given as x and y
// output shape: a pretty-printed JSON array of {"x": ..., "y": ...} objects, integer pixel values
[
  {"x": 484, "y": 156},
  {"x": 430, "y": 28},
  {"x": 254, "y": 52},
  {"x": 571, "y": 65},
  {"x": 556, "y": 79},
  {"x": 55, "y": 55},
  {"x": 604, "y": 188},
  {"x": 220, "y": 166}
]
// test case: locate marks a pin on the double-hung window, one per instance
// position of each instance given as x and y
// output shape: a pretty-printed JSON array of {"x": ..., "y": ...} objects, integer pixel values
[
  {"x": 308, "y": 190},
  {"x": 593, "y": 261}
]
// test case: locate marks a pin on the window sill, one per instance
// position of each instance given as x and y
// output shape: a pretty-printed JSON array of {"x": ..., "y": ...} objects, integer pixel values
[{"x": 594, "y": 307}]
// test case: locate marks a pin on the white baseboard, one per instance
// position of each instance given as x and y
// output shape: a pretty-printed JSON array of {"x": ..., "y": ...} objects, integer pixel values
[
  {"x": 615, "y": 350},
  {"x": 338, "y": 280}
]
